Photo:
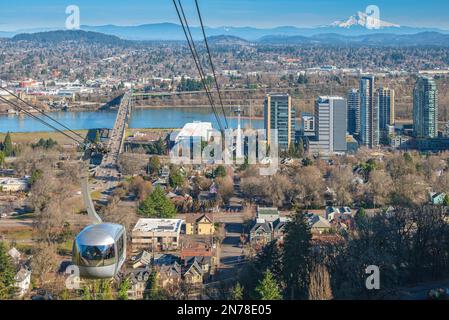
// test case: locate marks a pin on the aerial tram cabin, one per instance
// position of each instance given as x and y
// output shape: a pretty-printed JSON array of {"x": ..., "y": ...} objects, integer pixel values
[{"x": 99, "y": 250}]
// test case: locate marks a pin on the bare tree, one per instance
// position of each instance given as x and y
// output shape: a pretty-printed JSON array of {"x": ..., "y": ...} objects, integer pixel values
[{"x": 319, "y": 284}]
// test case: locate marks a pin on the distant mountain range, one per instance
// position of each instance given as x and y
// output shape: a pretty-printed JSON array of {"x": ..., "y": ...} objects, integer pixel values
[
  {"x": 350, "y": 30},
  {"x": 355, "y": 25}
]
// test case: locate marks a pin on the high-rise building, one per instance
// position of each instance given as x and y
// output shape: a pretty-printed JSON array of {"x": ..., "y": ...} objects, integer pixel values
[
  {"x": 279, "y": 114},
  {"x": 369, "y": 113},
  {"x": 308, "y": 124},
  {"x": 354, "y": 112},
  {"x": 385, "y": 102},
  {"x": 330, "y": 126},
  {"x": 425, "y": 108}
]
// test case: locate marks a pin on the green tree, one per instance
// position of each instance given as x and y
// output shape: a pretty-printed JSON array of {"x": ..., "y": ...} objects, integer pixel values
[
  {"x": 176, "y": 179},
  {"x": 7, "y": 273},
  {"x": 156, "y": 205},
  {"x": 35, "y": 175},
  {"x": 220, "y": 171},
  {"x": 2, "y": 159},
  {"x": 124, "y": 286},
  {"x": 360, "y": 216},
  {"x": 97, "y": 136},
  {"x": 153, "y": 291},
  {"x": 268, "y": 289},
  {"x": 154, "y": 165},
  {"x": 446, "y": 201},
  {"x": 296, "y": 256},
  {"x": 237, "y": 292},
  {"x": 8, "y": 148}
]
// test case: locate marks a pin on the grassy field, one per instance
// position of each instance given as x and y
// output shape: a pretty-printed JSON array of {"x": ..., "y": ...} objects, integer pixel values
[{"x": 33, "y": 137}]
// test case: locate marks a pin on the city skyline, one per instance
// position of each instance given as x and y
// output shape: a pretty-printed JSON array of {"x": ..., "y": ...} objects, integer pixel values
[{"x": 238, "y": 13}]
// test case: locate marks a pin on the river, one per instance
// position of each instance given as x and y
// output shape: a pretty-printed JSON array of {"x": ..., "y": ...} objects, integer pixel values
[{"x": 141, "y": 118}]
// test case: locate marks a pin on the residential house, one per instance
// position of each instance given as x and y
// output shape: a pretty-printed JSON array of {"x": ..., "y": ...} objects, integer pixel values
[
  {"x": 205, "y": 262},
  {"x": 261, "y": 232},
  {"x": 143, "y": 259},
  {"x": 203, "y": 254},
  {"x": 437, "y": 198},
  {"x": 267, "y": 214},
  {"x": 139, "y": 283},
  {"x": 169, "y": 274},
  {"x": 279, "y": 228},
  {"x": 22, "y": 281},
  {"x": 192, "y": 273},
  {"x": 201, "y": 225},
  {"x": 319, "y": 225}
]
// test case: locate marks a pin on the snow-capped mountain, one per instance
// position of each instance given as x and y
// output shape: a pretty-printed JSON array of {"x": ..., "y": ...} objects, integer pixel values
[{"x": 361, "y": 19}]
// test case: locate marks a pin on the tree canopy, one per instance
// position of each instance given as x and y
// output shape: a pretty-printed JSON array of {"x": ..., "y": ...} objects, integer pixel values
[{"x": 157, "y": 205}]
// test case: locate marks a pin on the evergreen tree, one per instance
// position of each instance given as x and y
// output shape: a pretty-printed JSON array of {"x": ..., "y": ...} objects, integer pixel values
[
  {"x": 97, "y": 136},
  {"x": 7, "y": 273},
  {"x": 237, "y": 292},
  {"x": 445, "y": 200},
  {"x": 8, "y": 148},
  {"x": 2, "y": 159},
  {"x": 125, "y": 285},
  {"x": 156, "y": 205},
  {"x": 220, "y": 172},
  {"x": 268, "y": 289},
  {"x": 154, "y": 165},
  {"x": 296, "y": 256},
  {"x": 176, "y": 179}
]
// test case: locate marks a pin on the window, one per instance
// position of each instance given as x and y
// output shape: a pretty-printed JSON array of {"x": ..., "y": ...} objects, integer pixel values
[
  {"x": 97, "y": 256},
  {"x": 120, "y": 246}
]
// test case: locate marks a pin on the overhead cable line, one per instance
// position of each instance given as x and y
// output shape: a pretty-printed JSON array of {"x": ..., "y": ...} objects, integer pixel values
[
  {"x": 41, "y": 112},
  {"x": 16, "y": 106},
  {"x": 211, "y": 62},
  {"x": 192, "y": 47}
]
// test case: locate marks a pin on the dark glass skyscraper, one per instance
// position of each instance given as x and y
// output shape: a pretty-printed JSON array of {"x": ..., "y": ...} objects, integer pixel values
[
  {"x": 425, "y": 108},
  {"x": 369, "y": 113},
  {"x": 354, "y": 112},
  {"x": 385, "y": 102}
]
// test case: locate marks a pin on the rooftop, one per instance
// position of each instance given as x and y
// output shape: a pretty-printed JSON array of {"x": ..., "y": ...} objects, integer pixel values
[
  {"x": 158, "y": 225},
  {"x": 196, "y": 129}
]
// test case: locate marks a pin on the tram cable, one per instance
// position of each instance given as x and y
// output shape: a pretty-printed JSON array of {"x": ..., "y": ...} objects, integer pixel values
[
  {"x": 211, "y": 62},
  {"x": 41, "y": 112},
  {"x": 16, "y": 106},
  {"x": 192, "y": 47}
]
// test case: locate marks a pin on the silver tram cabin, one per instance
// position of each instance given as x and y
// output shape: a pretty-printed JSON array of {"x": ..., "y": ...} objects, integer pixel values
[{"x": 99, "y": 250}]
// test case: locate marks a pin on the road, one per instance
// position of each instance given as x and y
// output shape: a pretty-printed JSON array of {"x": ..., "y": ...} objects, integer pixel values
[{"x": 107, "y": 172}]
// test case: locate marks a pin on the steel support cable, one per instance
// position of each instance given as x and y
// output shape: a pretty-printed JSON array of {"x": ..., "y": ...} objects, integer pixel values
[
  {"x": 16, "y": 106},
  {"x": 193, "y": 50},
  {"x": 201, "y": 70},
  {"x": 42, "y": 112},
  {"x": 211, "y": 62}
]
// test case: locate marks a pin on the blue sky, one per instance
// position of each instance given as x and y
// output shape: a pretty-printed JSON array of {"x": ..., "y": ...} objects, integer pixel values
[{"x": 24, "y": 14}]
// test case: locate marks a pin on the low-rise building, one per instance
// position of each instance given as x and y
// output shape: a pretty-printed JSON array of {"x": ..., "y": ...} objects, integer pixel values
[
  {"x": 14, "y": 185},
  {"x": 156, "y": 234},
  {"x": 437, "y": 198},
  {"x": 267, "y": 214},
  {"x": 319, "y": 225},
  {"x": 201, "y": 225},
  {"x": 22, "y": 281}
]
